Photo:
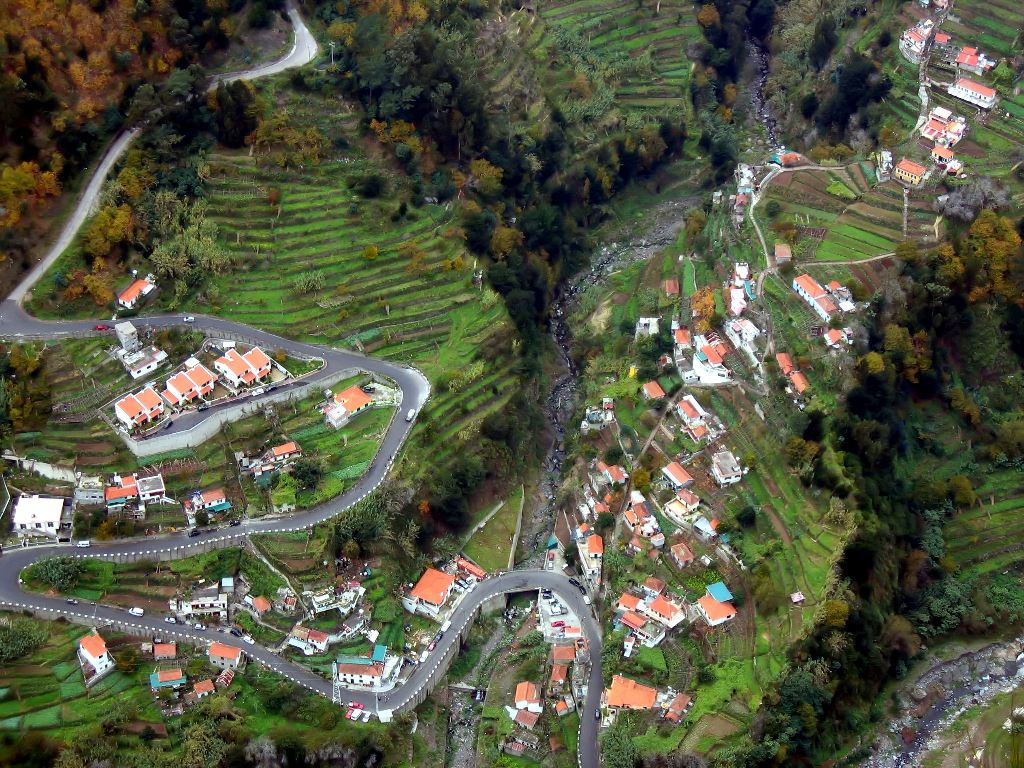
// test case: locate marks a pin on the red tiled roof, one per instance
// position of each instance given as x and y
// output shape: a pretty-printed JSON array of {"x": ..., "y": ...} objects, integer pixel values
[
  {"x": 595, "y": 544},
  {"x": 261, "y": 604},
  {"x": 203, "y": 686},
  {"x": 628, "y": 601},
  {"x": 94, "y": 645},
  {"x": 286, "y": 448},
  {"x": 133, "y": 291},
  {"x": 715, "y": 610},
  {"x": 528, "y": 692},
  {"x": 353, "y": 399},
  {"x": 678, "y": 474},
  {"x": 799, "y": 382},
  {"x": 810, "y": 286},
  {"x": 909, "y": 166},
  {"x": 433, "y": 587},
  {"x": 165, "y": 649},
  {"x": 653, "y": 390},
  {"x": 630, "y": 694},
  {"x": 224, "y": 651},
  {"x": 681, "y": 552},
  {"x": 563, "y": 653}
]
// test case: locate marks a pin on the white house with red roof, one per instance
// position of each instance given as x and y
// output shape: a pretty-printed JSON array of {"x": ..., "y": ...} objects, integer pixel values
[
  {"x": 243, "y": 370},
  {"x": 974, "y": 61},
  {"x": 346, "y": 404},
  {"x": 681, "y": 554},
  {"x": 709, "y": 359},
  {"x": 652, "y": 391},
  {"x": 139, "y": 408},
  {"x": 212, "y": 500},
  {"x": 612, "y": 474},
  {"x": 677, "y": 476},
  {"x": 196, "y": 381},
  {"x": 224, "y": 656},
  {"x": 914, "y": 40},
  {"x": 836, "y": 338},
  {"x": 682, "y": 339},
  {"x": 94, "y": 657},
  {"x": 135, "y": 292},
  {"x": 430, "y": 594},
  {"x": 973, "y": 93},
  {"x": 810, "y": 290}
]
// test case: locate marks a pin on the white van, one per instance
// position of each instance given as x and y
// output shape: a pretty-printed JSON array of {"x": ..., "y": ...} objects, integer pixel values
[
  {"x": 136, "y": 611},
  {"x": 411, "y": 414},
  {"x": 83, "y": 543}
]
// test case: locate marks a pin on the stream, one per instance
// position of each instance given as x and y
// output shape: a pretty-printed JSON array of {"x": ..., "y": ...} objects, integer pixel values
[{"x": 758, "y": 54}]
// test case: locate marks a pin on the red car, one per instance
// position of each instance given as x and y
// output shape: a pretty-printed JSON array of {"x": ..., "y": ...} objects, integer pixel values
[
  {"x": 101, "y": 327},
  {"x": 355, "y": 705}
]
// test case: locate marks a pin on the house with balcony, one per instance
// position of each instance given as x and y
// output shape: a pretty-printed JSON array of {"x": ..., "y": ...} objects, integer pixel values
[
  {"x": 431, "y": 593},
  {"x": 346, "y": 404},
  {"x": 196, "y": 381},
  {"x": 140, "y": 408},
  {"x": 210, "y": 601},
  {"x": 725, "y": 468},
  {"x": 224, "y": 656},
  {"x": 94, "y": 658},
  {"x": 243, "y": 370},
  {"x": 972, "y": 92}
]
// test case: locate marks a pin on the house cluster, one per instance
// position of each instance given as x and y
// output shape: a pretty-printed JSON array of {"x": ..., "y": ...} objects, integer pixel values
[
  {"x": 206, "y": 602},
  {"x": 192, "y": 384},
  {"x": 740, "y": 289},
  {"x": 277, "y": 458},
  {"x": 126, "y": 496},
  {"x": 626, "y": 694},
  {"x": 647, "y": 614},
  {"x": 212, "y": 501},
  {"x": 590, "y": 546},
  {"x": 827, "y": 303},
  {"x": 529, "y": 698},
  {"x": 644, "y": 528},
  {"x": 798, "y": 383},
  {"x": 168, "y": 679},
  {"x": 698, "y": 423},
  {"x": 974, "y": 61},
  {"x": 744, "y": 189}
]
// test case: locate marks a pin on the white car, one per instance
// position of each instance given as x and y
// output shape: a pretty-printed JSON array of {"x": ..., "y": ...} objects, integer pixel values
[
  {"x": 248, "y": 639},
  {"x": 188, "y": 319},
  {"x": 136, "y": 611},
  {"x": 170, "y": 620},
  {"x": 366, "y": 716}
]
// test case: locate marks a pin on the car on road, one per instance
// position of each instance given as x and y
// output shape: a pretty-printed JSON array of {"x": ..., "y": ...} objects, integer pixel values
[
  {"x": 411, "y": 414},
  {"x": 83, "y": 543},
  {"x": 575, "y": 582},
  {"x": 557, "y": 623},
  {"x": 203, "y": 406},
  {"x": 550, "y": 564},
  {"x": 71, "y": 601},
  {"x": 199, "y": 627},
  {"x": 194, "y": 532},
  {"x": 134, "y": 611},
  {"x": 597, "y": 714},
  {"x": 236, "y": 632},
  {"x": 581, "y": 589},
  {"x": 366, "y": 716},
  {"x": 233, "y": 523},
  {"x": 586, "y": 599},
  {"x": 355, "y": 705},
  {"x": 170, "y": 620},
  {"x": 432, "y": 646},
  {"x": 101, "y": 327},
  {"x": 248, "y": 639},
  {"x": 351, "y": 713},
  {"x": 188, "y": 319}
]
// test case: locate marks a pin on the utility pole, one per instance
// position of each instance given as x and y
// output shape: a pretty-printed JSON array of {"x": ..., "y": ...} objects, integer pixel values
[{"x": 331, "y": 44}]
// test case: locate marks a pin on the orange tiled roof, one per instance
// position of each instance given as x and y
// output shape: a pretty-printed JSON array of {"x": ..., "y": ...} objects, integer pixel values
[
  {"x": 133, "y": 291},
  {"x": 281, "y": 450},
  {"x": 715, "y": 610},
  {"x": 224, "y": 651},
  {"x": 433, "y": 587},
  {"x": 94, "y": 645},
  {"x": 204, "y": 686},
  {"x": 630, "y": 694}
]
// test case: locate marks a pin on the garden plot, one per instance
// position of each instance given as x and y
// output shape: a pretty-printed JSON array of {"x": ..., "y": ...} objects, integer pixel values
[{"x": 860, "y": 220}]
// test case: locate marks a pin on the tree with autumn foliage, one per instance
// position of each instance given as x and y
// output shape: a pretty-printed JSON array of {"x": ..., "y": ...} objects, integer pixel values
[{"x": 702, "y": 304}]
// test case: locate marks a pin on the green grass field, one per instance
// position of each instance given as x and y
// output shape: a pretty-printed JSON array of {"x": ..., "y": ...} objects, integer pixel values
[{"x": 490, "y": 546}]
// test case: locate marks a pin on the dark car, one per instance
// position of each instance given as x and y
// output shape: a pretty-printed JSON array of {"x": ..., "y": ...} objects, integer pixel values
[
  {"x": 194, "y": 532},
  {"x": 581, "y": 589},
  {"x": 233, "y": 523},
  {"x": 236, "y": 632},
  {"x": 575, "y": 582}
]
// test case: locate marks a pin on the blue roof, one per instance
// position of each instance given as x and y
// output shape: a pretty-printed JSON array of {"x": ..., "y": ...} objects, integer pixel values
[
  {"x": 220, "y": 506},
  {"x": 720, "y": 592},
  {"x": 748, "y": 285},
  {"x": 379, "y": 652},
  {"x": 552, "y": 542}
]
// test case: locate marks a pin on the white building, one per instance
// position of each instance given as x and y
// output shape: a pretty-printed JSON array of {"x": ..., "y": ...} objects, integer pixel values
[
  {"x": 138, "y": 290},
  {"x": 142, "y": 361},
  {"x": 725, "y": 468},
  {"x": 742, "y": 333},
  {"x": 647, "y": 326},
  {"x": 973, "y": 93},
  {"x": 242, "y": 370},
  {"x": 360, "y": 671},
  {"x": 209, "y": 601},
  {"x": 810, "y": 290},
  {"x": 38, "y": 513},
  {"x": 127, "y": 336},
  {"x": 224, "y": 656},
  {"x": 94, "y": 658},
  {"x": 142, "y": 407}
]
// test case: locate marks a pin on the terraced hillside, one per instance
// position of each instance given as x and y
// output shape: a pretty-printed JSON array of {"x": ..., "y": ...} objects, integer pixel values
[
  {"x": 843, "y": 214},
  {"x": 990, "y": 536},
  {"x": 624, "y": 27}
]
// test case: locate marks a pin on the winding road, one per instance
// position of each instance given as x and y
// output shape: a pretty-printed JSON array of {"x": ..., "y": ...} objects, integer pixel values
[{"x": 17, "y": 325}]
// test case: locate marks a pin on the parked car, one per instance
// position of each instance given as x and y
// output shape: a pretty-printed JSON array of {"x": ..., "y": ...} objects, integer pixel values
[
  {"x": 236, "y": 632},
  {"x": 71, "y": 601},
  {"x": 136, "y": 611},
  {"x": 355, "y": 705},
  {"x": 248, "y": 639},
  {"x": 432, "y": 646},
  {"x": 188, "y": 319},
  {"x": 194, "y": 532},
  {"x": 199, "y": 627},
  {"x": 83, "y": 543},
  {"x": 350, "y": 714},
  {"x": 233, "y": 523},
  {"x": 170, "y": 620},
  {"x": 581, "y": 589},
  {"x": 558, "y": 623},
  {"x": 366, "y": 716},
  {"x": 101, "y": 327}
]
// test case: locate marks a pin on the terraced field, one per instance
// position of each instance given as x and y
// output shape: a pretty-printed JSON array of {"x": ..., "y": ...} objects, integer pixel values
[
  {"x": 990, "y": 536},
  {"x": 861, "y": 219},
  {"x": 620, "y": 27}
]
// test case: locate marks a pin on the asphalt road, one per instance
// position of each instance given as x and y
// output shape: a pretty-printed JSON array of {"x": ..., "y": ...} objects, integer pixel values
[{"x": 16, "y": 324}]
